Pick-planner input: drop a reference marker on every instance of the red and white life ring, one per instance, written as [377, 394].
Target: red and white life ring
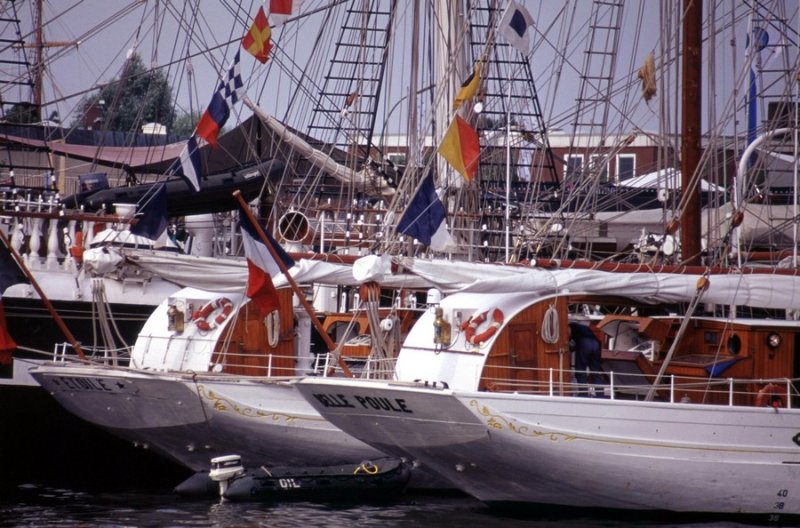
[200, 316]
[470, 326]
[770, 396]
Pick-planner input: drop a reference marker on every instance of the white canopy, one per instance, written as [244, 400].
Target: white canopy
[668, 178]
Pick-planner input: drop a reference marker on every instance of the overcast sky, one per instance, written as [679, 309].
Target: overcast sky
[100, 33]
[91, 39]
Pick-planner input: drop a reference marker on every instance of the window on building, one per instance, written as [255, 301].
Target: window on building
[626, 166]
[599, 165]
[399, 160]
[573, 167]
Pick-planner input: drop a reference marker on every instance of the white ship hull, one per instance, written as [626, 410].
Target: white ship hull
[515, 448]
[192, 420]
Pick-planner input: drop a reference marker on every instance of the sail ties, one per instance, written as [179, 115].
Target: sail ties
[647, 74]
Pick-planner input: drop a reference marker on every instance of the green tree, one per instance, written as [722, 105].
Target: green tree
[23, 113]
[138, 96]
[185, 123]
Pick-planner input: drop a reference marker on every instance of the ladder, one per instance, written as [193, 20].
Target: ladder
[595, 88]
[20, 103]
[771, 99]
[588, 157]
[507, 89]
[345, 113]
[770, 42]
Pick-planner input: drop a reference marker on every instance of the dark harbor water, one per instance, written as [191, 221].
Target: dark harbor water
[41, 506]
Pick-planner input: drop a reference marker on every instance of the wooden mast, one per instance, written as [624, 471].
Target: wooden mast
[39, 74]
[691, 95]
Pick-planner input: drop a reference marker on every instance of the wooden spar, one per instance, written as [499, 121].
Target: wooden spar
[690, 126]
[325, 337]
[629, 267]
[42, 296]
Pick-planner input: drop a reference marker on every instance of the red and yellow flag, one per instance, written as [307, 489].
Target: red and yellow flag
[461, 148]
[256, 42]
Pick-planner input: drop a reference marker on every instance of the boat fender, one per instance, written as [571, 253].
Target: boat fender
[200, 316]
[76, 250]
[470, 326]
[771, 395]
[272, 322]
[367, 467]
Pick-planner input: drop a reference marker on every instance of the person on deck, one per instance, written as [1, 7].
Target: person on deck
[583, 343]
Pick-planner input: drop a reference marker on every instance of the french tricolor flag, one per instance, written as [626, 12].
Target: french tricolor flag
[261, 266]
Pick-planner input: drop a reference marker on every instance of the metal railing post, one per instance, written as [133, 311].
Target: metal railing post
[611, 384]
[730, 392]
[672, 388]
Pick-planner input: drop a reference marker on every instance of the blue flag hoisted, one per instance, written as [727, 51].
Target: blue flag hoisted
[759, 39]
[152, 215]
[188, 163]
[424, 218]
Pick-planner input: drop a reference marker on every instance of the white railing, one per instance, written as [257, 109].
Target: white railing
[64, 353]
[155, 358]
[674, 389]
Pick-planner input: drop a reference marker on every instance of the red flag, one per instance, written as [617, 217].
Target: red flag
[281, 10]
[257, 40]
[280, 7]
[7, 344]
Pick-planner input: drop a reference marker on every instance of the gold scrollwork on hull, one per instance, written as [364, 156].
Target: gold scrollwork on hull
[225, 405]
[497, 421]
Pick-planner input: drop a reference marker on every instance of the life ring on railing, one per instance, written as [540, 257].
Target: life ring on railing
[770, 396]
[200, 316]
[470, 326]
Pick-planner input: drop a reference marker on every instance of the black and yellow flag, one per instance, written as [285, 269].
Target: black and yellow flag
[470, 87]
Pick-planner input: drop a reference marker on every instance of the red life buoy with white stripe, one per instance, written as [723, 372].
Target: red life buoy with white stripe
[200, 317]
[470, 326]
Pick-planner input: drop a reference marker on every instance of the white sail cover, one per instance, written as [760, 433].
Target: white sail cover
[761, 290]
[230, 275]
[742, 289]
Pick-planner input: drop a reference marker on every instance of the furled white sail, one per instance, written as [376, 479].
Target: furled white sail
[761, 290]
[319, 159]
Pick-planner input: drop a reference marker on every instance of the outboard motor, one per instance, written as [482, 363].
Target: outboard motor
[224, 469]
